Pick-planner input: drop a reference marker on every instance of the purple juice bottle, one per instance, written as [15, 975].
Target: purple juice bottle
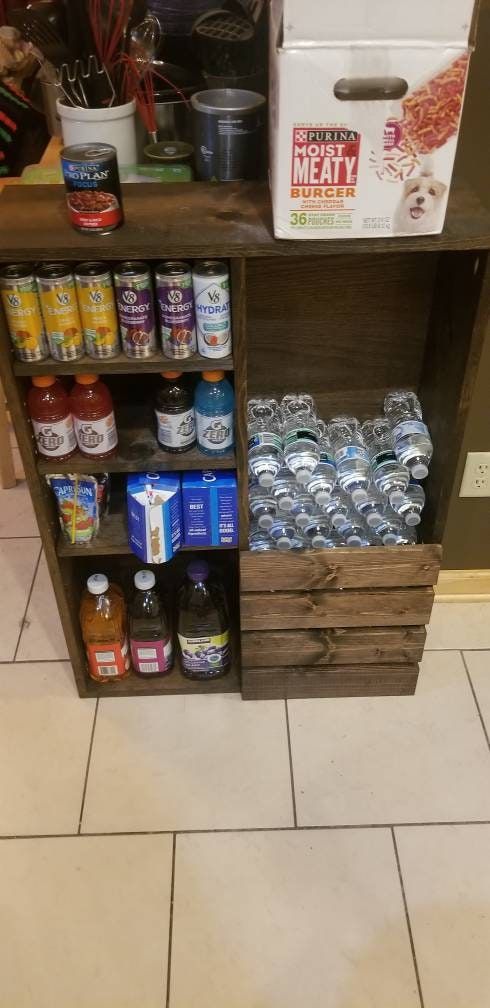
[203, 625]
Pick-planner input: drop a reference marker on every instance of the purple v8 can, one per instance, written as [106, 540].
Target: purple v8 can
[134, 298]
[176, 309]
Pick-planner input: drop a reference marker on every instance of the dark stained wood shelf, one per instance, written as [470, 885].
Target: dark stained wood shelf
[123, 365]
[169, 685]
[112, 540]
[129, 458]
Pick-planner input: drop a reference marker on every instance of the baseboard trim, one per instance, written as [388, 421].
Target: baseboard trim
[463, 586]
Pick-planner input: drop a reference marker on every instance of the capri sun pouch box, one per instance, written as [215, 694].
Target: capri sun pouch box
[366, 100]
[209, 501]
[154, 516]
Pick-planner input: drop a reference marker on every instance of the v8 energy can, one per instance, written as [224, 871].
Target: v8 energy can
[20, 300]
[213, 316]
[134, 297]
[60, 312]
[97, 306]
[176, 309]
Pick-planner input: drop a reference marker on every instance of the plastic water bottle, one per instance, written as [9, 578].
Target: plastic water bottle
[352, 531]
[283, 534]
[409, 505]
[317, 531]
[393, 531]
[371, 507]
[263, 507]
[413, 446]
[300, 435]
[324, 478]
[388, 473]
[337, 507]
[303, 507]
[351, 456]
[258, 540]
[264, 440]
[284, 489]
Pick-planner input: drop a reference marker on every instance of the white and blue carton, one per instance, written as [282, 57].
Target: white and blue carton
[154, 516]
[210, 508]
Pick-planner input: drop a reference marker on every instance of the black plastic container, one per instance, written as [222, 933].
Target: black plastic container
[228, 134]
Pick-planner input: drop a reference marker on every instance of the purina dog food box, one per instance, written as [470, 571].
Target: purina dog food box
[209, 503]
[154, 516]
[365, 105]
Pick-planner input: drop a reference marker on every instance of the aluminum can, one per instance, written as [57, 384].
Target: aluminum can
[135, 307]
[20, 299]
[98, 314]
[211, 284]
[175, 301]
[59, 305]
[93, 189]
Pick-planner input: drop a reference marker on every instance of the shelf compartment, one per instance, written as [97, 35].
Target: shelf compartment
[112, 540]
[122, 365]
[171, 685]
[138, 451]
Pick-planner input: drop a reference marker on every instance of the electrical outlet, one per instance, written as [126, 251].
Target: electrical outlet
[476, 476]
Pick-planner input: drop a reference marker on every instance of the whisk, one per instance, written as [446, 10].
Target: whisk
[109, 22]
[142, 89]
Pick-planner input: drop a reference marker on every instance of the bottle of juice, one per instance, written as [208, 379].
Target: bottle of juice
[174, 412]
[213, 403]
[103, 623]
[149, 635]
[93, 416]
[203, 627]
[49, 410]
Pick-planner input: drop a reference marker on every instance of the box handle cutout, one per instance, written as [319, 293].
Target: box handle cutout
[370, 88]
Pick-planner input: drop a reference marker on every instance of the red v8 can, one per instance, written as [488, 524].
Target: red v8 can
[93, 191]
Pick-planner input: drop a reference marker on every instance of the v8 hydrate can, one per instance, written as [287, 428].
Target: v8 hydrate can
[59, 306]
[213, 315]
[97, 306]
[134, 297]
[93, 190]
[20, 300]
[176, 309]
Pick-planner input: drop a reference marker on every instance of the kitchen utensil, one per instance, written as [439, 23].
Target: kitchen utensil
[145, 39]
[97, 84]
[224, 43]
[115, 126]
[70, 80]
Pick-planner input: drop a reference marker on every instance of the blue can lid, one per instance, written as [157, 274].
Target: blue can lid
[198, 571]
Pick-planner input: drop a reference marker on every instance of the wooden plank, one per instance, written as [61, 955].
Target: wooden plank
[377, 567]
[463, 586]
[7, 471]
[228, 219]
[139, 450]
[239, 310]
[374, 607]
[173, 684]
[345, 681]
[120, 365]
[333, 646]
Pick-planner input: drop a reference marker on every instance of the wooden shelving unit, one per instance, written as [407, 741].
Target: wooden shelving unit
[345, 320]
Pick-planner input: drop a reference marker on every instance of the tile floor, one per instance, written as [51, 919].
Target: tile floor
[205, 852]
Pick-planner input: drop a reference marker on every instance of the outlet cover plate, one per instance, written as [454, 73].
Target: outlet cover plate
[476, 476]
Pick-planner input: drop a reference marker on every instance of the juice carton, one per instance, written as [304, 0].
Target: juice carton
[209, 502]
[154, 516]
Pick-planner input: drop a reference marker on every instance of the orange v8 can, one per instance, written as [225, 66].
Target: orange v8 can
[59, 306]
[21, 305]
[97, 305]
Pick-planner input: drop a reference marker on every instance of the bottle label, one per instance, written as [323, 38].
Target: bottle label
[352, 453]
[410, 427]
[215, 433]
[326, 459]
[177, 318]
[265, 439]
[150, 657]
[108, 661]
[202, 653]
[212, 299]
[96, 437]
[176, 430]
[382, 457]
[55, 439]
[300, 434]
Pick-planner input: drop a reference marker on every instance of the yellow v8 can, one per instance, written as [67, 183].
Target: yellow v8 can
[60, 311]
[23, 312]
[98, 313]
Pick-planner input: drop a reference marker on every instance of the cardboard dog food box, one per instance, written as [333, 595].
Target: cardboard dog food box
[366, 101]
[154, 516]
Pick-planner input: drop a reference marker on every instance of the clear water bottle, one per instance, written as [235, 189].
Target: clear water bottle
[264, 440]
[352, 531]
[284, 489]
[324, 478]
[337, 507]
[317, 531]
[392, 530]
[409, 505]
[413, 446]
[371, 507]
[351, 456]
[283, 534]
[303, 507]
[263, 506]
[258, 540]
[389, 475]
[300, 435]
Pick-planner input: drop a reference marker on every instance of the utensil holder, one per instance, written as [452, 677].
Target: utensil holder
[116, 126]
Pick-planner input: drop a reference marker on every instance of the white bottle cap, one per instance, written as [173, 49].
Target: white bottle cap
[354, 540]
[144, 580]
[358, 495]
[419, 471]
[373, 519]
[265, 522]
[303, 475]
[389, 539]
[322, 497]
[286, 503]
[338, 520]
[413, 518]
[318, 541]
[266, 479]
[98, 584]
[395, 497]
[302, 520]
[283, 543]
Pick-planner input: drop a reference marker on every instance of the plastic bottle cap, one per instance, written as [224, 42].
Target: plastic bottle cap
[373, 519]
[43, 381]
[359, 495]
[266, 479]
[286, 503]
[213, 376]
[318, 541]
[395, 497]
[98, 584]
[86, 379]
[413, 519]
[354, 540]
[198, 571]
[419, 471]
[302, 520]
[265, 522]
[389, 539]
[303, 475]
[338, 520]
[144, 580]
[283, 543]
[171, 374]
[322, 497]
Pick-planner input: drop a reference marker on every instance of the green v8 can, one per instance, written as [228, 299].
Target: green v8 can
[97, 310]
[211, 284]
[20, 299]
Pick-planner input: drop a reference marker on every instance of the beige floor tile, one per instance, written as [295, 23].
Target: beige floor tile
[84, 922]
[478, 664]
[17, 564]
[42, 637]
[282, 919]
[17, 516]
[393, 759]
[459, 625]
[447, 884]
[199, 762]
[44, 743]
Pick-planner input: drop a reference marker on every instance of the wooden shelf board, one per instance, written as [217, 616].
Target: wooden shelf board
[170, 685]
[112, 540]
[151, 458]
[122, 365]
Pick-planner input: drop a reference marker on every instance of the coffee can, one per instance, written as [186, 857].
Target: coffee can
[20, 299]
[175, 301]
[59, 306]
[211, 284]
[93, 189]
[97, 306]
[135, 307]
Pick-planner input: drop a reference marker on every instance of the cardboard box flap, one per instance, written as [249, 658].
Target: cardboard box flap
[419, 22]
